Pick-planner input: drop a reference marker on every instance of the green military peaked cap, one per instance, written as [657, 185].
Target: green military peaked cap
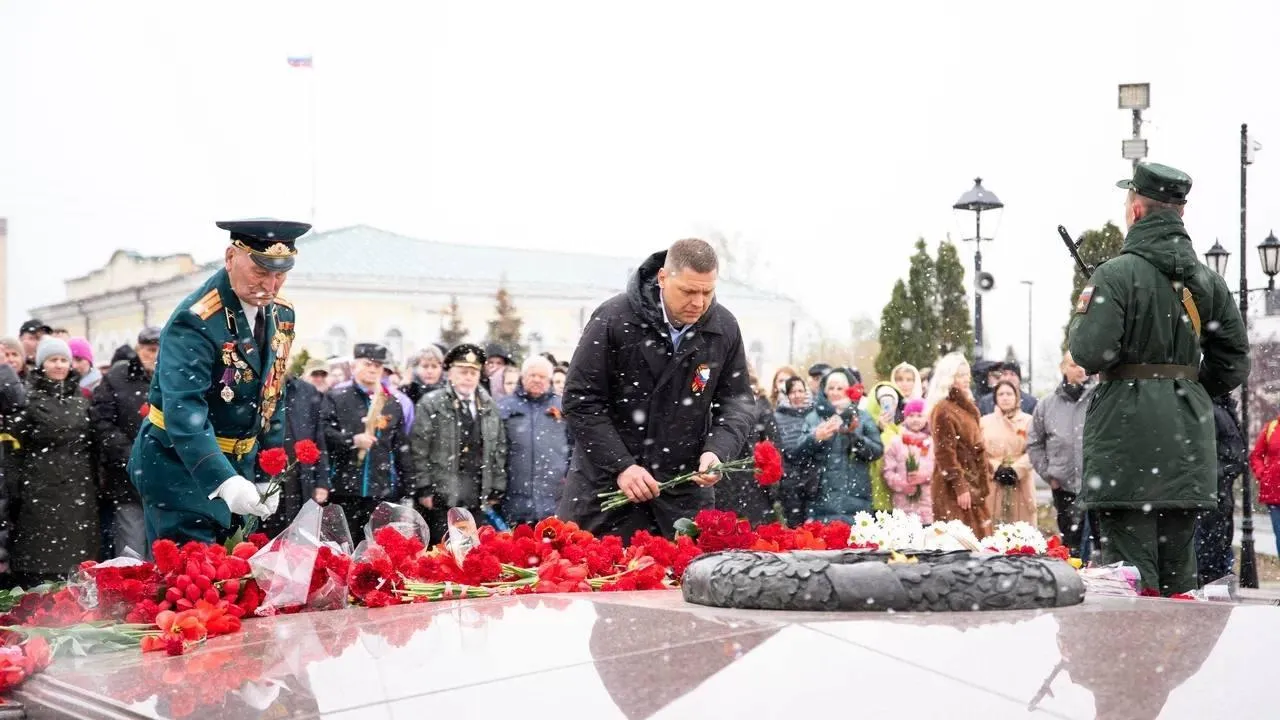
[1159, 182]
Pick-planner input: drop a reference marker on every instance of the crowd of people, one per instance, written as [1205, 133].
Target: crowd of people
[470, 427]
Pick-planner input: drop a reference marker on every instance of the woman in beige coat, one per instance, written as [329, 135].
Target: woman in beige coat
[1012, 496]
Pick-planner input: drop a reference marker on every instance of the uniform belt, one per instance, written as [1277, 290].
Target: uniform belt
[231, 446]
[1151, 372]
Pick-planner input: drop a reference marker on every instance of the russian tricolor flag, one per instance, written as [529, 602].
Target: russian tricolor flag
[300, 62]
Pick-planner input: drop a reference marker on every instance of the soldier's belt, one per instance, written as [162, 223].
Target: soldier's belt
[1151, 372]
[231, 446]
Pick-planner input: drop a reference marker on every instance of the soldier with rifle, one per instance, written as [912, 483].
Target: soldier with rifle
[1163, 334]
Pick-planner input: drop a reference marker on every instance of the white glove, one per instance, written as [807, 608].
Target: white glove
[272, 502]
[241, 496]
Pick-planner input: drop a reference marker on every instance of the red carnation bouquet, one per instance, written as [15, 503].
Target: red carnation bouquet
[274, 463]
[765, 461]
[307, 566]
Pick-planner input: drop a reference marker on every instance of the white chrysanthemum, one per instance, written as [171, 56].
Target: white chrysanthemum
[888, 531]
[1010, 536]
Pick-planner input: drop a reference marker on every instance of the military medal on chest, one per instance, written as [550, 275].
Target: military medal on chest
[236, 371]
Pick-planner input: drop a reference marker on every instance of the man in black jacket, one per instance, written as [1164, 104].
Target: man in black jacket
[657, 388]
[119, 404]
[383, 471]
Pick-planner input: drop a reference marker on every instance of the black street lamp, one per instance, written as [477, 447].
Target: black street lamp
[1269, 255]
[977, 200]
[1216, 258]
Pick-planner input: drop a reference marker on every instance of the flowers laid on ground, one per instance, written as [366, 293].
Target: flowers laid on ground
[902, 531]
[193, 592]
[765, 473]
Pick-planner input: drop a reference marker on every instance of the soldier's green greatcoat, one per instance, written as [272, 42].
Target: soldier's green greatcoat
[216, 400]
[1149, 444]
[1150, 465]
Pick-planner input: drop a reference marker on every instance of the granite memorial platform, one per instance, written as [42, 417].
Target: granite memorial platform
[652, 655]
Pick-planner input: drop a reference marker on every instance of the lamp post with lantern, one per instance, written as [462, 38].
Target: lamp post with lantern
[1216, 258]
[978, 200]
[1135, 97]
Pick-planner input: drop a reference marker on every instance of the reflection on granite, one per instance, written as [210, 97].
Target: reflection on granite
[650, 655]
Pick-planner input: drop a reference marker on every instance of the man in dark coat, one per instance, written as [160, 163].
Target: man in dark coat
[302, 407]
[383, 471]
[657, 388]
[119, 404]
[1216, 528]
[1165, 335]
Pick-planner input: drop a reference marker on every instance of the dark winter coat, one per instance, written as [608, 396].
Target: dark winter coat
[842, 461]
[960, 464]
[386, 471]
[632, 398]
[435, 447]
[53, 495]
[415, 390]
[1148, 443]
[799, 484]
[739, 492]
[13, 398]
[1231, 450]
[537, 455]
[117, 411]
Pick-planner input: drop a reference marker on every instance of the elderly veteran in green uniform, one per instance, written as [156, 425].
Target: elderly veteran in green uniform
[216, 396]
[1163, 333]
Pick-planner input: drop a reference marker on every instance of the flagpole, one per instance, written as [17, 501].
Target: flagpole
[311, 119]
[307, 62]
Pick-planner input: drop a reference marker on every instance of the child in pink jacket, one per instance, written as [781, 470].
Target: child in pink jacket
[914, 449]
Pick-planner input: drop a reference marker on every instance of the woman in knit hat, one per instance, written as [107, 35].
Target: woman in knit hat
[54, 503]
[82, 361]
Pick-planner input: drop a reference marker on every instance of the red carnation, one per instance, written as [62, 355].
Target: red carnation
[855, 393]
[144, 410]
[768, 463]
[273, 461]
[306, 452]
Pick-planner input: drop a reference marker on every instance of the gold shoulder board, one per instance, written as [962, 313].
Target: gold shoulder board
[209, 304]
[283, 302]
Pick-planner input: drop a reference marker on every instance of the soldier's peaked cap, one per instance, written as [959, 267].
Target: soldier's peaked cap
[465, 355]
[269, 242]
[1159, 182]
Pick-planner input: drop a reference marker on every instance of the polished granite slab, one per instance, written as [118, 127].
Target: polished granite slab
[651, 655]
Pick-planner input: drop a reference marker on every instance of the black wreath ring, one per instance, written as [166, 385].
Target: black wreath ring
[880, 581]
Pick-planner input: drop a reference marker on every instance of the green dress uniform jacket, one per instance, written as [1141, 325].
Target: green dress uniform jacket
[216, 399]
[1149, 440]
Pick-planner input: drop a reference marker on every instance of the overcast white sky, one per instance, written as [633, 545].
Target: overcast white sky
[830, 134]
